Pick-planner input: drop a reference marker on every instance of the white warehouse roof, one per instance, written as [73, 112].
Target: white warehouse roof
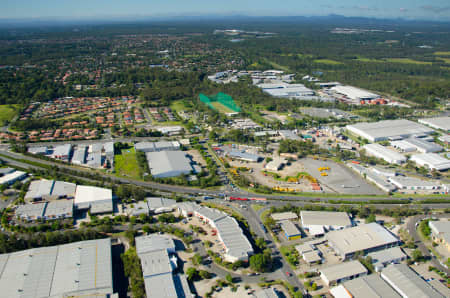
[432, 161]
[165, 164]
[354, 93]
[86, 195]
[324, 218]
[383, 130]
[369, 286]
[438, 122]
[382, 152]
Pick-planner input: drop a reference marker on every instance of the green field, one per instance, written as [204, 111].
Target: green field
[446, 60]
[126, 165]
[8, 112]
[221, 108]
[328, 61]
[407, 61]
[447, 53]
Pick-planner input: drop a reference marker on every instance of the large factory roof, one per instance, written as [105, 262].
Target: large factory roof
[407, 282]
[360, 238]
[168, 163]
[383, 130]
[157, 146]
[324, 218]
[438, 122]
[354, 93]
[343, 270]
[66, 270]
[369, 286]
[153, 242]
[50, 188]
[432, 161]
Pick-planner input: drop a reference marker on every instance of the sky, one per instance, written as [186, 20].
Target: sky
[438, 10]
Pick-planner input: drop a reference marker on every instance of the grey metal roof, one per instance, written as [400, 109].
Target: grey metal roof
[407, 282]
[39, 189]
[109, 148]
[343, 270]
[96, 147]
[168, 163]
[31, 211]
[360, 238]
[156, 202]
[155, 262]
[244, 155]
[64, 189]
[4, 171]
[79, 155]
[80, 267]
[94, 159]
[387, 255]
[60, 208]
[153, 242]
[139, 208]
[370, 286]
[160, 286]
[62, 150]
[289, 228]
[266, 293]
[437, 122]
[157, 146]
[424, 145]
[324, 218]
[382, 130]
[284, 215]
[38, 150]
[102, 207]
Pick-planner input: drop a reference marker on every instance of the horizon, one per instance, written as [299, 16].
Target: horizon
[114, 10]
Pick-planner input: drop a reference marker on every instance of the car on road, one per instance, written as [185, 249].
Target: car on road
[288, 274]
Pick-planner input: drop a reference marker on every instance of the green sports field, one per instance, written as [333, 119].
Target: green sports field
[8, 112]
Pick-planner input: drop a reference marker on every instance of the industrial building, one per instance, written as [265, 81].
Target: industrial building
[440, 232]
[49, 190]
[97, 199]
[42, 150]
[157, 146]
[442, 123]
[432, 161]
[368, 286]
[236, 245]
[284, 90]
[276, 164]
[46, 210]
[289, 135]
[415, 144]
[384, 153]
[354, 94]
[97, 155]
[407, 282]
[62, 152]
[410, 183]
[289, 215]
[152, 206]
[244, 156]
[266, 293]
[70, 270]
[158, 264]
[365, 238]
[384, 257]
[291, 231]
[318, 222]
[164, 164]
[12, 177]
[341, 272]
[389, 130]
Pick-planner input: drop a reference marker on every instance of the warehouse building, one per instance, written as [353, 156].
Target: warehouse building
[289, 135]
[152, 206]
[47, 210]
[244, 156]
[276, 164]
[12, 177]
[291, 231]
[157, 146]
[70, 270]
[97, 199]
[432, 161]
[442, 123]
[62, 152]
[365, 238]
[284, 90]
[384, 257]
[158, 262]
[410, 183]
[284, 216]
[440, 232]
[415, 144]
[384, 153]
[369, 286]
[79, 155]
[354, 94]
[389, 130]
[38, 150]
[164, 164]
[267, 293]
[319, 222]
[236, 245]
[49, 190]
[341, 272]
[407, 282]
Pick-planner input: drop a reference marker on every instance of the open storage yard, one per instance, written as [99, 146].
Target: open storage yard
[340, 179]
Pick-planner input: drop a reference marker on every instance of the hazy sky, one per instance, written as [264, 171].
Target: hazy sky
[411, 9]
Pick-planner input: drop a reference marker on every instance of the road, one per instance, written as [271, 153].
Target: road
[411, 227]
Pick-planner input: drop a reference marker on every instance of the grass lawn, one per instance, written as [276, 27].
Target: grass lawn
[221, 108]
[126, 165]
[277, 66]
[257, 207]
[177, 106]
[8, 112]
[327, 61]
[407, 61]
[447, 53]
[446, 60]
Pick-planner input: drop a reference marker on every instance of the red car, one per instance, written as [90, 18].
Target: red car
[288, 273]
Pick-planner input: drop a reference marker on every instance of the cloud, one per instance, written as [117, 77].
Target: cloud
[402, 9]
[435, 9]
[365, 8]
